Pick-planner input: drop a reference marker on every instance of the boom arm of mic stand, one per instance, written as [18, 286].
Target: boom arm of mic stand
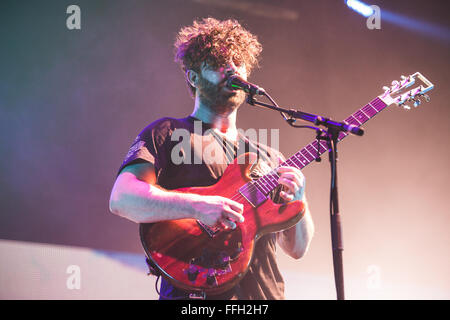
[316, 119]
[292, 113]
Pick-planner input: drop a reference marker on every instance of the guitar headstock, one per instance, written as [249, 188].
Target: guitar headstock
[399, 92]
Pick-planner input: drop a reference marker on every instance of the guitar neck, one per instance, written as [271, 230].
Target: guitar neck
[313, 150]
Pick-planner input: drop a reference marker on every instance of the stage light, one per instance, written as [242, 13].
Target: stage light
[360, 7]
[426, 28]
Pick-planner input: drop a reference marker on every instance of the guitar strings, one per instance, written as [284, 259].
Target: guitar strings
[249, 186]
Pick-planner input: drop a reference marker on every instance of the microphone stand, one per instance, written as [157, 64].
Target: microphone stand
[332, 136]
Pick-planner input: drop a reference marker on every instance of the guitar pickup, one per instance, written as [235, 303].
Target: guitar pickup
[252, 193]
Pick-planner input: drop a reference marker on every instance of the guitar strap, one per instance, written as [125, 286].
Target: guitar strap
[229, 148]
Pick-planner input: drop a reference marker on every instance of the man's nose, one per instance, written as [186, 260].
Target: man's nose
[230, 69]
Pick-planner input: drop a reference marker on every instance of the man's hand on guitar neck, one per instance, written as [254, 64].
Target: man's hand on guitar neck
[294, 182]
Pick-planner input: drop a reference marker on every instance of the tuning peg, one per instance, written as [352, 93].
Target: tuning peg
[417, 103]
[387, 91]
[406, 107]
[395, 86]
[426, 97]
[403, 77]
[404, 81]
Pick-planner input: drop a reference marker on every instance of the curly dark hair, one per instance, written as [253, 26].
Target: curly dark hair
[216, 42]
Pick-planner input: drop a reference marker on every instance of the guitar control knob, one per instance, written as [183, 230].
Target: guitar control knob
[192, 273]
[223, 261]
[237, 251]
[211, 278]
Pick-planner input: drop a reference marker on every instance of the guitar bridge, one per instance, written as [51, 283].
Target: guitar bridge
[211, 231]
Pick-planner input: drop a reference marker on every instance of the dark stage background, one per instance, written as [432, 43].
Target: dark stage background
[72, 101]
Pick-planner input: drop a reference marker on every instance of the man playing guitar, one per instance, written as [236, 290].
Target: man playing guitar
[209, 52]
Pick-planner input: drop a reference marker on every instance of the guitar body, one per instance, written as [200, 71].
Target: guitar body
[194, 260]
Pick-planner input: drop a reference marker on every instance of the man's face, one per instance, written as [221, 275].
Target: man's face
[213, 91]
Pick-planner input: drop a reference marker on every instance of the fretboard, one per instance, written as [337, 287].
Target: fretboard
[308, 154]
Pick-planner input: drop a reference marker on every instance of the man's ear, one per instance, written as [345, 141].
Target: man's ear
[192, 77]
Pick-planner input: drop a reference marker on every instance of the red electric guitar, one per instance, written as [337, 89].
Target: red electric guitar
[198, 258]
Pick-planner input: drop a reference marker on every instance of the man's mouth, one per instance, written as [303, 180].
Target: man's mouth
[228, 89]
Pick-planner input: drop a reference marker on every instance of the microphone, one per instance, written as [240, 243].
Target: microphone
[236, 82]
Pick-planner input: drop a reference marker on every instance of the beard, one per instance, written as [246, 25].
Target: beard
[216, 98]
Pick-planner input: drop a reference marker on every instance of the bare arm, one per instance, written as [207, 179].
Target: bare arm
[135, 196]
[295, 241]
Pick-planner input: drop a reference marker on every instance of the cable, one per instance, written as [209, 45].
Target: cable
[163, 296]
[288, 119]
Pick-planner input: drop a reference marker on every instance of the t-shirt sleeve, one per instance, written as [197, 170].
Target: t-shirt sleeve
[149, 146]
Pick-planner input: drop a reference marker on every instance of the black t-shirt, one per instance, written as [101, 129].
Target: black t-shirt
[186, 153]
